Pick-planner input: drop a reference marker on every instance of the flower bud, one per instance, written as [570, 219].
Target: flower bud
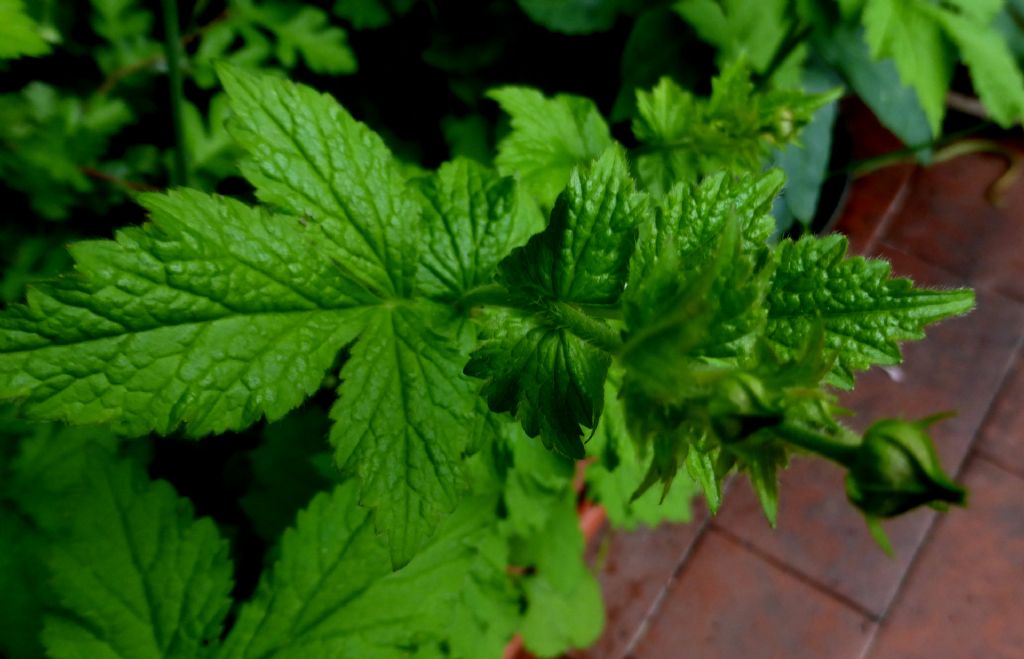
[895, 469]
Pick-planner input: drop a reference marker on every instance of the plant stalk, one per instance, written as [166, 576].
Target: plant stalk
[815, 442]
[172, 47]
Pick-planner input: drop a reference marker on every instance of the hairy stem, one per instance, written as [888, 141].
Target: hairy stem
[583, 320]
[816, 442]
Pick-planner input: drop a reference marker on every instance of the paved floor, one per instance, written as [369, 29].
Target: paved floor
[817, 587]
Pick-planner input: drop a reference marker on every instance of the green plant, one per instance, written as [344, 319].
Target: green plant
[403, 364]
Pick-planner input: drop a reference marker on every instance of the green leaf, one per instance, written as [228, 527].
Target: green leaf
[548, 378]
[549, 137]
[878, 83]
[332, 594]
[806, 162]
[572, 16]
[865, 313]
[19, 34]
[212, 315]
[563, 599]
[310, 157]
[620, 469]
[907, 31]
[698, 279]
[685, 137]
[24, 592]
[50, 139]
[739, 29]
[547, 366]
[583, 255]
[473, 221]
[404, 419]
[308, 33]
[994, 71]
[138, 577]
[212, 151]
[126, 26]
[369, 14]
[290, 466]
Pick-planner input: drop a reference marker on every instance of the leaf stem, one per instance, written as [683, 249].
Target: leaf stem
[590, 329]
[172, 46]
[583, 320]
[816, 442]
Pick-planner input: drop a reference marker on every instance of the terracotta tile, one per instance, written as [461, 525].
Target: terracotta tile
[821, 536]
[948, 220]
[873, 199]
[636, 567]
[1002, 436]
[965, 595]
[958, 367]
[729, 603]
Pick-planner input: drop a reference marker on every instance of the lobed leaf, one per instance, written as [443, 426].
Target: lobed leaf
[138, 577]
[210, 316]
[864, 312]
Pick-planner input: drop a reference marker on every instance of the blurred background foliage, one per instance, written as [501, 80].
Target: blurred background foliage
[87, 117]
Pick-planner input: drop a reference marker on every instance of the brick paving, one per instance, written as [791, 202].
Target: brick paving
[817, 586]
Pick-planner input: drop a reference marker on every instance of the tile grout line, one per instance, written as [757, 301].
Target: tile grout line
[894, 208]
[797, 574]
[993, 461]
[659, 599]
[1017, 353]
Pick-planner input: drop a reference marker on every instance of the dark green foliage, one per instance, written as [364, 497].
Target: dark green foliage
[379, 349]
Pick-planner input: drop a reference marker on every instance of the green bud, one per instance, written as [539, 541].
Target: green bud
[895, 469]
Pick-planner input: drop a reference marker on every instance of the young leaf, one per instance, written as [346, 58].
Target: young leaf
[212, 315]
[550, 136]
[310, 157]
[549, 378]
[583, 255]
[865, 313]
[473, 221]
[685, 137]
[404, 418]
[139, 577]
[548, 367]
[616, 476]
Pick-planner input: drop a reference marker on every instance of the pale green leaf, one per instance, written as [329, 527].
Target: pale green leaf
[549, 137]
[739, 29]
[563, 599]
